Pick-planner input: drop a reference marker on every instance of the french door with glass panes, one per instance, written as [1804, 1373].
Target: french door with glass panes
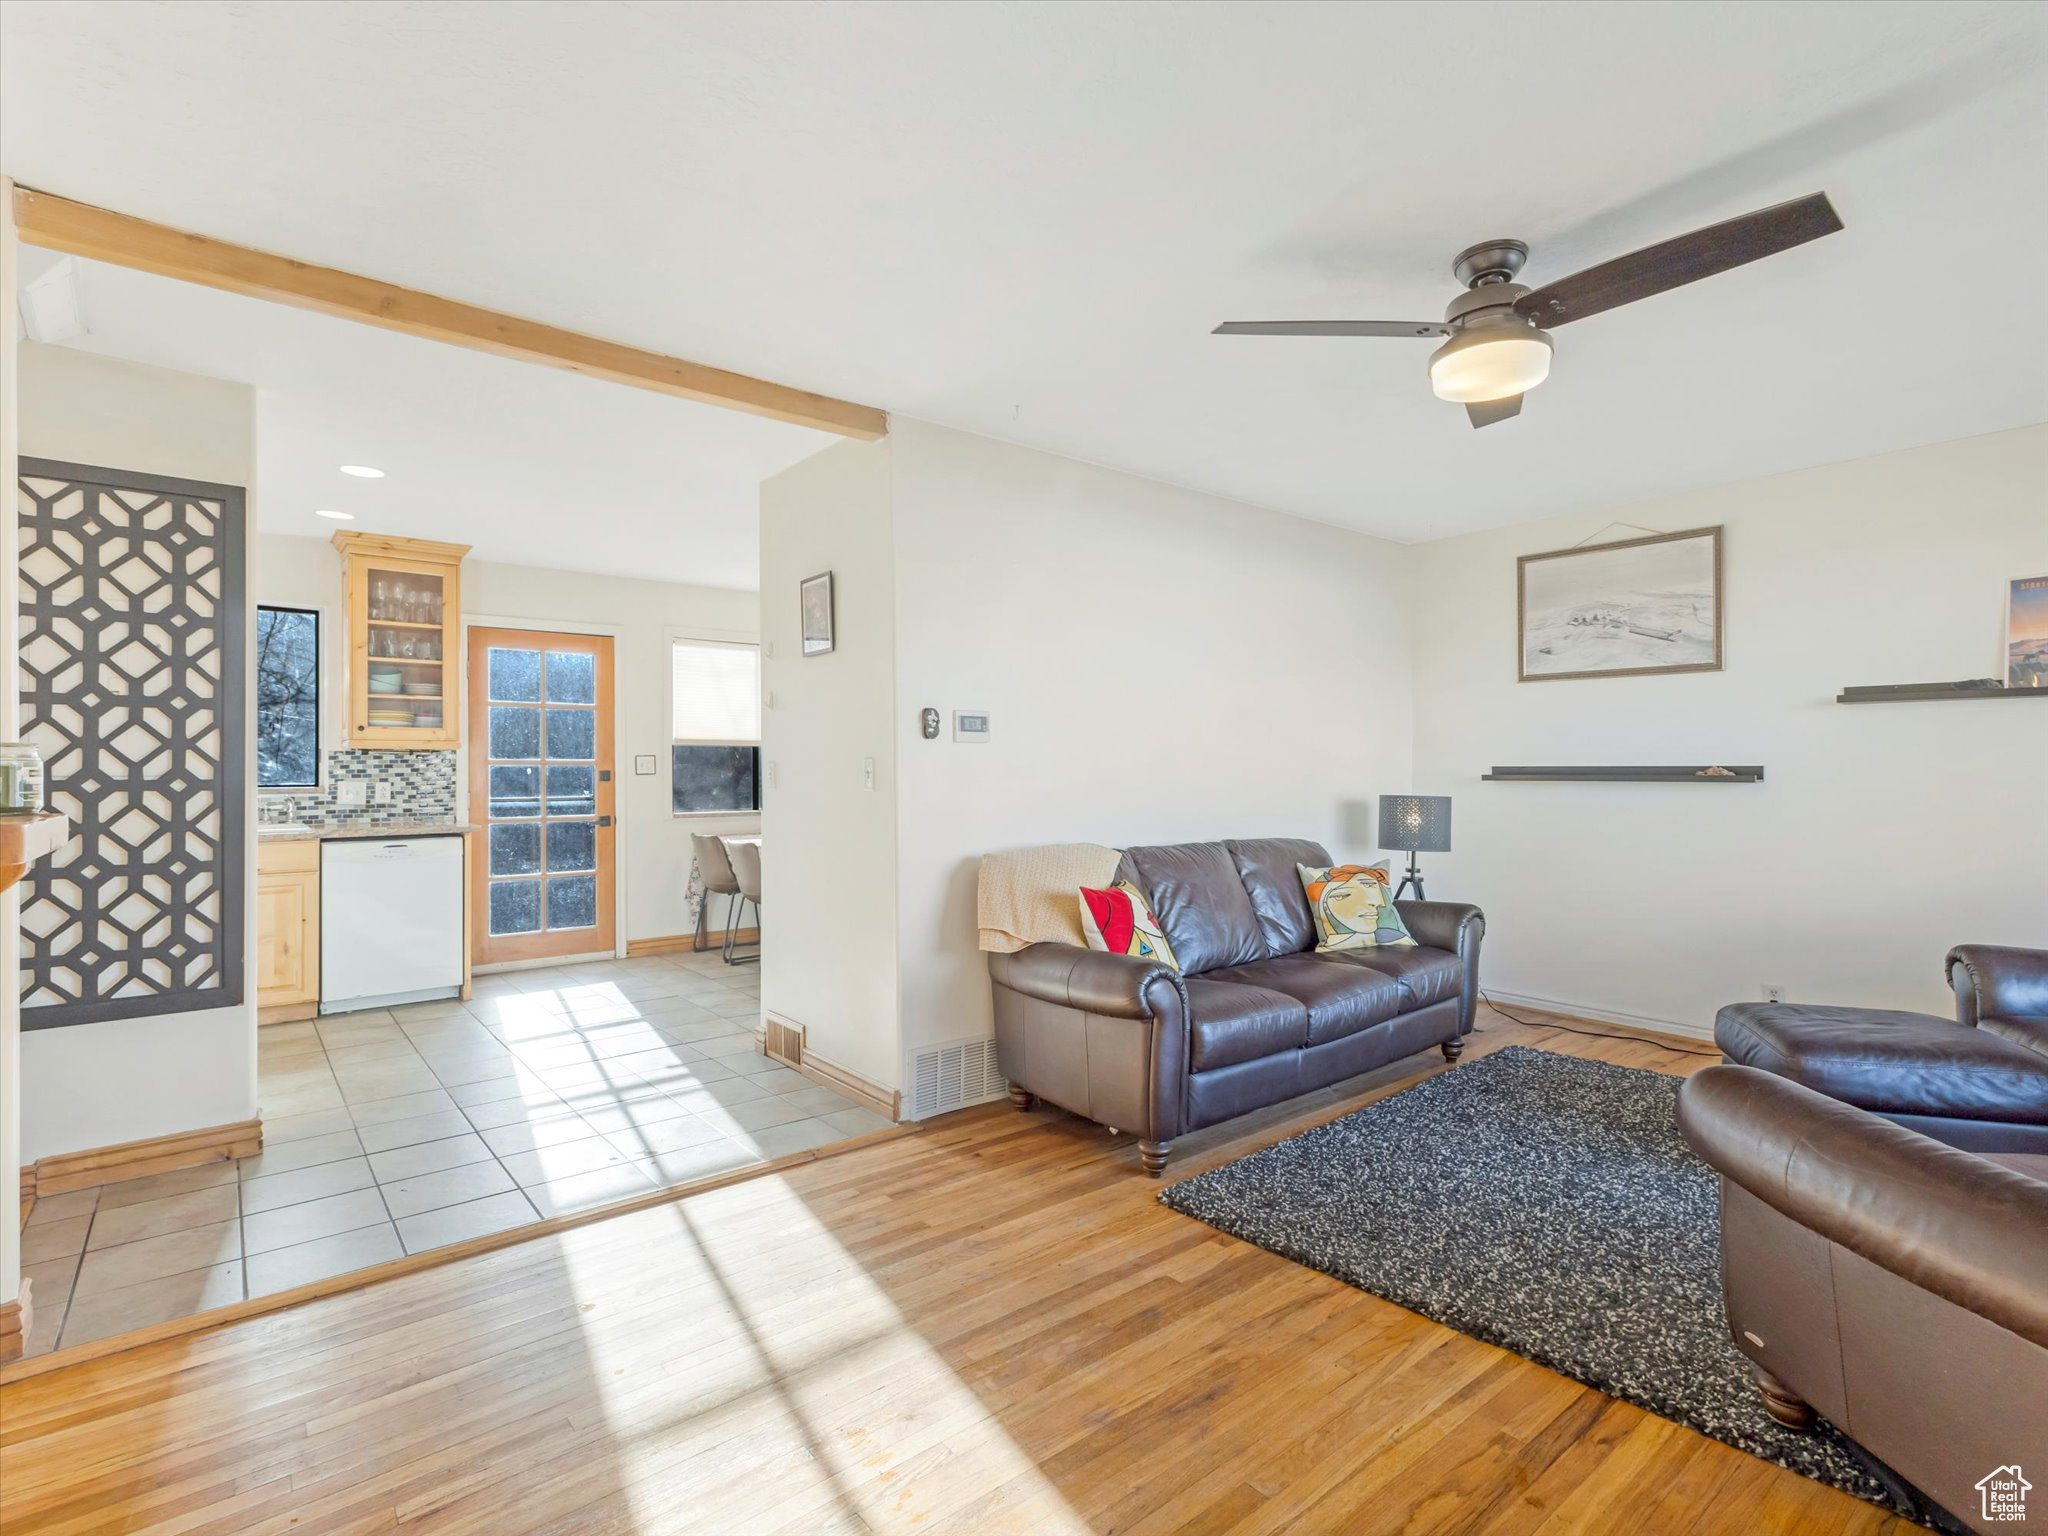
[540, 782]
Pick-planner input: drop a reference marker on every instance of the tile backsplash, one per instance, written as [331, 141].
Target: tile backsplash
[422, 789]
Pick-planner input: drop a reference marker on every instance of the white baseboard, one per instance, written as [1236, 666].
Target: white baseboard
[1601, 1015]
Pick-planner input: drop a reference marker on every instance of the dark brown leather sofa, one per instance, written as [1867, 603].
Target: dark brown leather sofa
[1897, 1285]
[1253, 1016]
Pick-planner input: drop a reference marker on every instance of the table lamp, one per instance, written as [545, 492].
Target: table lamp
[1416, 824]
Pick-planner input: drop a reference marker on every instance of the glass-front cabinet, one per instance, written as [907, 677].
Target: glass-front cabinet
[404, 606]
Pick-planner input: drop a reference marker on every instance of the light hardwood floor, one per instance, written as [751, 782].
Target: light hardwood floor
[988, 1326]
[389, 1133]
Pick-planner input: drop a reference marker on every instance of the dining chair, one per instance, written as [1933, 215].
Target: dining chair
[715, 877]
[746, 868]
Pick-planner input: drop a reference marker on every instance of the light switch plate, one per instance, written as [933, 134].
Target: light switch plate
[970, 725]
[867, 773]
[771, 773]
[643, 764]
[352, 793]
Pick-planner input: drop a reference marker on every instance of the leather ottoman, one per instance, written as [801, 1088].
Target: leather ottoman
[1968, 1087]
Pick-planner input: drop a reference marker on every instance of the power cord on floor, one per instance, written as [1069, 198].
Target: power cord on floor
[1597, 1034]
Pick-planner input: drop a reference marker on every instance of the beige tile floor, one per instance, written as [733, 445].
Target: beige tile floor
[389, 1132]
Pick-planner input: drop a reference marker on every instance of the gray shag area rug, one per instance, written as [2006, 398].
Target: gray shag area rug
[1543, 1203]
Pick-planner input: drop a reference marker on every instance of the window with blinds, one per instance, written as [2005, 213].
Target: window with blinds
[715, 712]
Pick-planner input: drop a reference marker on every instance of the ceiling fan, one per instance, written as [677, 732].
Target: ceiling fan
[1499, 347]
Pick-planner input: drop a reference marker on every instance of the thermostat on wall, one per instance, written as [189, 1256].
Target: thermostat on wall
[970, 725]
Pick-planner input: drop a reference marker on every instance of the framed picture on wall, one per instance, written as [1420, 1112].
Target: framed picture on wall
[2026, 633]
[814, 599]
[1625, 609]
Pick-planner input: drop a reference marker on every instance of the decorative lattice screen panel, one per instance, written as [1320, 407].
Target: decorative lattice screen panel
[132, 683]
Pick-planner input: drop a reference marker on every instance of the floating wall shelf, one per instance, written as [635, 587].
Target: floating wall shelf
[24, 839]
[1703, 773]
[1915, 692]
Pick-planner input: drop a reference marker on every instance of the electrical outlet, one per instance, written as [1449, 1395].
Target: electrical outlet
[383, 795]
[1773, 993]
[771, 773]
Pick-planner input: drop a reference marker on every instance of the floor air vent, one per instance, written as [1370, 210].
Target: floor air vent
[954, 1076]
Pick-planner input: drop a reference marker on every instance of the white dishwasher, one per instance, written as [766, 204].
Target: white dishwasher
[390, 921]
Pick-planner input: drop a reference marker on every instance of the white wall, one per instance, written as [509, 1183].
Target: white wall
[92, 1085]
[10, 721]
[1159, 666]
[828, 843]
[653, 843]
[1882, 833]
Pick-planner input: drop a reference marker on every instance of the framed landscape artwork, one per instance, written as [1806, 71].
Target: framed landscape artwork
[1625, 609]
[2026, 633]
[814, 599]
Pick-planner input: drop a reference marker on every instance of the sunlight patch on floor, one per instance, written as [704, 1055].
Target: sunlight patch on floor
[802, 1402]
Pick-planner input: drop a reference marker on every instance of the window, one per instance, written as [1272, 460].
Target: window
[717, 728]
[716, 713]
[287, 698]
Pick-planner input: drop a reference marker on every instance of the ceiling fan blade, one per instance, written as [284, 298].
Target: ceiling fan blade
[1331, 328]
[1485, 413]
[1674, 263]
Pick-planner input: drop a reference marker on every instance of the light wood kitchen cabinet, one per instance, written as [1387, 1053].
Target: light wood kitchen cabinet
[403, 605]
[287, 929]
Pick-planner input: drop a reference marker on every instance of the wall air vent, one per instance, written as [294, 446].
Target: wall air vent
[952, 1076]
[783, 1041]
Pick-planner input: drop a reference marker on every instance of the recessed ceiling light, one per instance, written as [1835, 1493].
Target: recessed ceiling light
[362, 471]
[339, 517]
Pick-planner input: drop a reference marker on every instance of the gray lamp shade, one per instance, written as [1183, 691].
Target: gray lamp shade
[1416, 823]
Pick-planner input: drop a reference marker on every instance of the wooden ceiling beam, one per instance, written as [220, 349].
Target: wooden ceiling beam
[58, 224]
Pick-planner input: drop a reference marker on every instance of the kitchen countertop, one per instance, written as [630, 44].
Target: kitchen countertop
[294, 833]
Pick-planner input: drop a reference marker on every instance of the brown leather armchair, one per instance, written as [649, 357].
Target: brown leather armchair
[1896, 1285]
[1254, 1016]
[1978, 1081]
[2002, 990]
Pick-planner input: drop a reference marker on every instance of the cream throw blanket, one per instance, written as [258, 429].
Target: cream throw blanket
[1033, 895]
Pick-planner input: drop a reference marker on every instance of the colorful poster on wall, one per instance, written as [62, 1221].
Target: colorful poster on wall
[2026, 633]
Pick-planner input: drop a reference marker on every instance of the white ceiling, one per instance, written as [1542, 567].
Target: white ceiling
[1023, 218]
[530, 465]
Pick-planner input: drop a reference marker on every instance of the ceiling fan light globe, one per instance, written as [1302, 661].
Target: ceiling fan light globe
[1475, 366]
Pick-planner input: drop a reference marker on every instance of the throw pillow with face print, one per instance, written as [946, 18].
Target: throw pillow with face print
[1354, 908]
